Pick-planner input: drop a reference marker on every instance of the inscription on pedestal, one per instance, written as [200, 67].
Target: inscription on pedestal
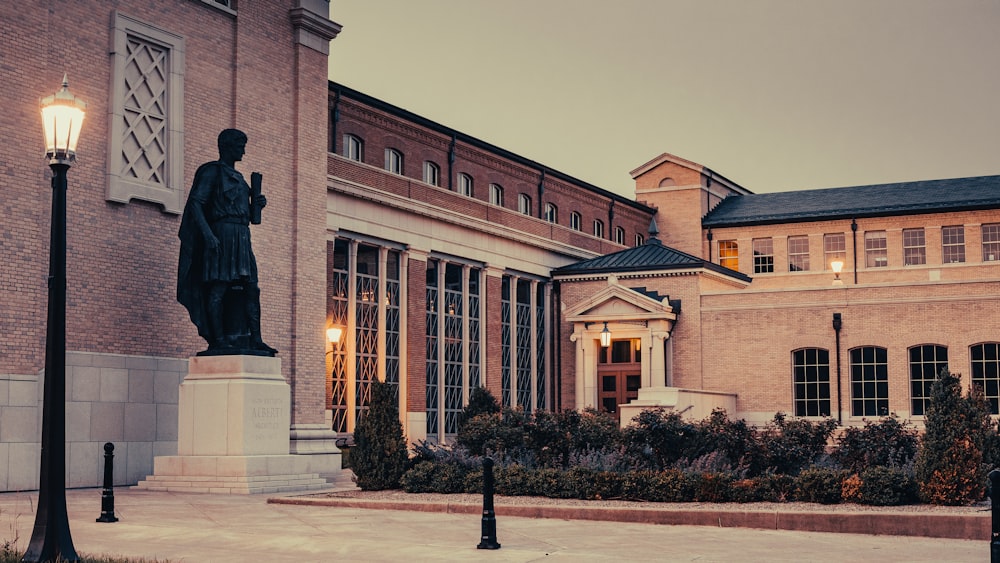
[267, 415]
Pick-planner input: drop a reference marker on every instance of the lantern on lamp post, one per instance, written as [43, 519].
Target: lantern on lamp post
[605, 336]
[62, 117]
[837, 266]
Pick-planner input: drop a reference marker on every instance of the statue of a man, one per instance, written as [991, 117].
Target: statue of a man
[217, 271]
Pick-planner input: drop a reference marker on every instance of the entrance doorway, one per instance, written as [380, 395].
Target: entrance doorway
[619, 375]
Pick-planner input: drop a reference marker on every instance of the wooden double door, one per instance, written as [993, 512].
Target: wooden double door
[617, 386]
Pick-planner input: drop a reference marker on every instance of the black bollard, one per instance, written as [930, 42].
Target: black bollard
[108, 493]
[489, 540]
[995, 501]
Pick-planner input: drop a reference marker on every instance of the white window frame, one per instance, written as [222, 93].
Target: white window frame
[575, 221]
[524, 204]
[598, 228]
[551, 213]
[432, 173]
[496, 194]
[465, 184]
[354, 147]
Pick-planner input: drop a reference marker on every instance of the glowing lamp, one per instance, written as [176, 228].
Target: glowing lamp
[605, 337]
[333, 334]
[62, 118]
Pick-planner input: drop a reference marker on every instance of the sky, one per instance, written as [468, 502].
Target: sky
[775, 95]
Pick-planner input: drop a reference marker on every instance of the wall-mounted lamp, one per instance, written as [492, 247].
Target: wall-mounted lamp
[605, 336]
[837, 266]
[333, 334]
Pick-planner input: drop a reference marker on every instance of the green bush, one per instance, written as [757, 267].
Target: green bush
[820, 485]
[379, 457]
[431, 477]
[886, 486]
[481, 401]
[793, 445]
[734, 440]
[949, 466]
[888, 443]
[658, 438]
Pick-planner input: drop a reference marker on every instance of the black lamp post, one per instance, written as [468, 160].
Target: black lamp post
[62, 116]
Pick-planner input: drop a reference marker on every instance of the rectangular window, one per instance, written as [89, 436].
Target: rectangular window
[991, 242]
[763, 256]
[811, 380]
[834, 249]
[729, 254]
[953, 244]
[876, 250]
[798, 254]
[146, 152]
[914, 248]
[926, 362]
[869, 381]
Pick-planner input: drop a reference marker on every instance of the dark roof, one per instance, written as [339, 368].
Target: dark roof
[904, 198]
[340, 89]
[652, 255]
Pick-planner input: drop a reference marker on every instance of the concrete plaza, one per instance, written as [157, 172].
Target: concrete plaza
[176, 527]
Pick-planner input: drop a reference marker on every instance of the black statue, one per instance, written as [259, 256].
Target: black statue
[217, 271]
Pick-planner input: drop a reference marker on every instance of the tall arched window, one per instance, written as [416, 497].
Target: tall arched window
[432, 173]
[551, 213]
[598, 228]
[575, 221]
[620, 235]
[496, 194]
[394, 161]
[986, 371]
[869, 381]
[926, 362]
[465, 184]
[811, 381]
[524, 204]
[354, 147]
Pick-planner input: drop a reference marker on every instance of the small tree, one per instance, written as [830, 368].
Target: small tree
[885, 443]
[949, 466]
[379, 455]
[481, 401]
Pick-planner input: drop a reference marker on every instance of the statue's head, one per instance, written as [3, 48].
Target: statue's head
[232, 142]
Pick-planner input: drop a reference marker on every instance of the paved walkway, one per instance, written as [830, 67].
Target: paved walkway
[183, 527]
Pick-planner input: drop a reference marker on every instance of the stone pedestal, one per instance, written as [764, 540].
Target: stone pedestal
[234, 414]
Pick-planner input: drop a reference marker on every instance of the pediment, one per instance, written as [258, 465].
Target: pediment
[616, 302]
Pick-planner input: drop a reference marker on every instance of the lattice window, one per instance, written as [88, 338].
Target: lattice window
[453, 357]
[953, 244]
[145, 145]
[763, 256]
[914, 247]
[524, 345]
[540, 372]
[798, 254]
[475, 380]
[834, 249]
[366, 341]
[991, 242]
[392, 322]
[505, 344]
[337, 313]
[431, 369]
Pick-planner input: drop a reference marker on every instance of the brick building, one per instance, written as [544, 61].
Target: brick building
[441, 262]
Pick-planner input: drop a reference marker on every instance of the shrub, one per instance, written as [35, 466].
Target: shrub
[379, 456]
[481, 401]
[774, 487]
[734, 440]
[850, 490]
[886, 486]
[792, 445]
[949, 466]
[658, 438]
[820, 485]
[888, 443]
[501, 433]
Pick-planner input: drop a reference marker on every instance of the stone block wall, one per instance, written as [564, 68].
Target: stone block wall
[130, 401]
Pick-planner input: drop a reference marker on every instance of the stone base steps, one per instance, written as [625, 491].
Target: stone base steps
[234, 485]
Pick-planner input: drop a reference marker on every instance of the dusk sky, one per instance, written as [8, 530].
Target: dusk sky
[775, 95]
